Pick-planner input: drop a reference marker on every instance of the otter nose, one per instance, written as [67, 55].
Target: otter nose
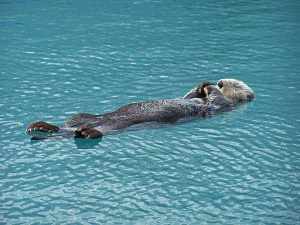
[220, 84]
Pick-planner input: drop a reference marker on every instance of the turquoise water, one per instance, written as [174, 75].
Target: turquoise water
[63, 57]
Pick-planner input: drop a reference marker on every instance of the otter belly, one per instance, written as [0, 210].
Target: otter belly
[166, 111]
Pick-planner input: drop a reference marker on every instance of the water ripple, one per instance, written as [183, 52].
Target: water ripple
[240, 167]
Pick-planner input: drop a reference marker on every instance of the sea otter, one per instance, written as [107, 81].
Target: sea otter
[205, 100]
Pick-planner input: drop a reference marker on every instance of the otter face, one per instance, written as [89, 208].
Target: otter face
[235, 90]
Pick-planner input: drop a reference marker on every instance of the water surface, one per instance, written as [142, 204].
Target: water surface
[60, 58]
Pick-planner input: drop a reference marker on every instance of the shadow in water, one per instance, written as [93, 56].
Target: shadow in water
[86, 143]
[79, 142]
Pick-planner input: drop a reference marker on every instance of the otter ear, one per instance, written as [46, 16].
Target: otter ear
[220, 84]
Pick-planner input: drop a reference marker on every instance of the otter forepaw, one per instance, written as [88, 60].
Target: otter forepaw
[41, 127]
[88, 133]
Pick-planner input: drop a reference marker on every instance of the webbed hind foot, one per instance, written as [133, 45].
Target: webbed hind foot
[88, 133]
[41, 127]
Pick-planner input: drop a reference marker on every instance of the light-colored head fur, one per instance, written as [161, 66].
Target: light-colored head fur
[235, 90]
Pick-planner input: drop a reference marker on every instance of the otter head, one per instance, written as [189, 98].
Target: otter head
[235, 90]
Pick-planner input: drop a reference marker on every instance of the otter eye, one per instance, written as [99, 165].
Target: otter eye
[220, 84]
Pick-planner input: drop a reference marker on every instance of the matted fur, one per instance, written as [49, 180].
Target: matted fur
[236, 91]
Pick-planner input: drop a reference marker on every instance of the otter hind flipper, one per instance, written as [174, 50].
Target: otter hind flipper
[42, 130]
[81, 119]
[88, 133]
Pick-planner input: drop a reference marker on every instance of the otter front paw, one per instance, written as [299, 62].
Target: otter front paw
[88, 133]
[41, 127]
